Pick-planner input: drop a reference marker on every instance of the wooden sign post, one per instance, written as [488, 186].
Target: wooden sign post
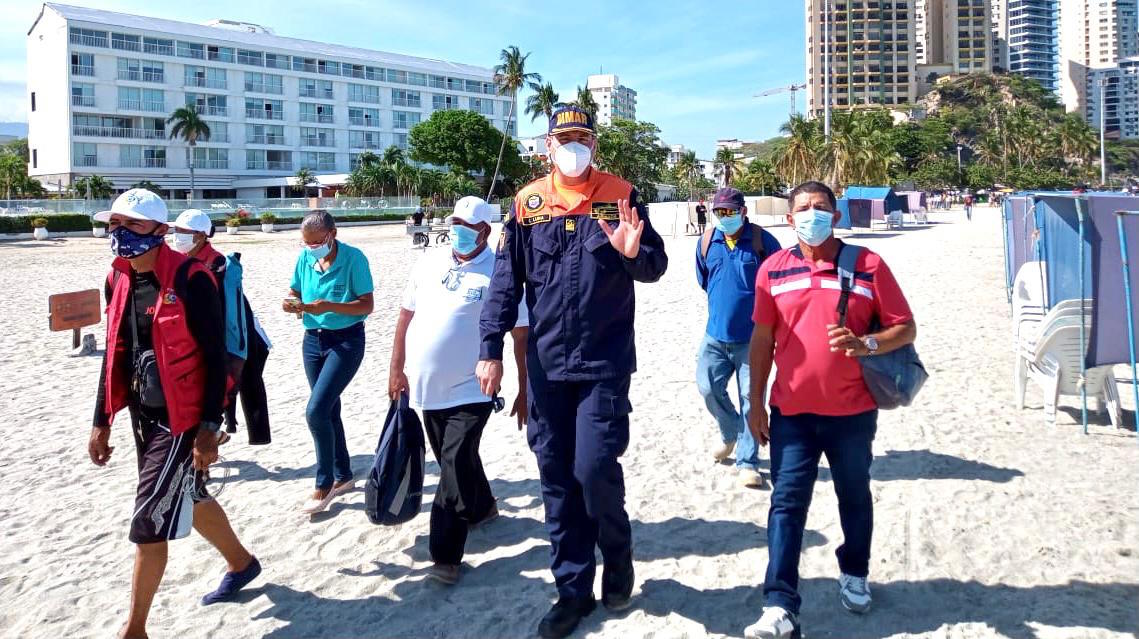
[73, 311]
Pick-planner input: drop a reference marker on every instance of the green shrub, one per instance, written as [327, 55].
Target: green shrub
[59, 223]
[268, 218]
[39, 223]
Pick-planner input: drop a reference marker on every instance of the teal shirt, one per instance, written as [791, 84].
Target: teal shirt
[346, 280]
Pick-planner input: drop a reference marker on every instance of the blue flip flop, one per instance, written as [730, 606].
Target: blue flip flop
[232, 583]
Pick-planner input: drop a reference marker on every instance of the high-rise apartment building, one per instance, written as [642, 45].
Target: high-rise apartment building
[1120, 90]
[954, 36]
[1027, 35]
[101, 86]
[614, 101]
[1094, 34]
[872, 53]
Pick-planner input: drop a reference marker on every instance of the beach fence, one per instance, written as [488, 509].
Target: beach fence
[219, 209]
[1073, 244]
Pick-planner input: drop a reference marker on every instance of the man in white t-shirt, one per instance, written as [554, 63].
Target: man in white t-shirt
[437, 341]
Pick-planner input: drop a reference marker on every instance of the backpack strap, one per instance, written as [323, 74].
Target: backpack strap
[847, 259]
[757, 242]
[706, 240]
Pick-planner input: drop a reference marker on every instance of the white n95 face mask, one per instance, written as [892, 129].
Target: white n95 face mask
[572, 158]
[183, 242]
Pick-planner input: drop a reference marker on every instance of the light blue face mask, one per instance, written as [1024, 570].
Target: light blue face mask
[464, 240]
[729, 225]
[320, 252]
[813, 226]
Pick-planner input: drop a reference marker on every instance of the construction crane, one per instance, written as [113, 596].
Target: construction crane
[793, 89]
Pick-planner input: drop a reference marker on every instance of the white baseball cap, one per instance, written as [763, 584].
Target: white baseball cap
[139, 204]
[472, 210]
[195, 220]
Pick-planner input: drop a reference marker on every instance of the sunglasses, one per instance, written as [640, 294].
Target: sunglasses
[725, 212]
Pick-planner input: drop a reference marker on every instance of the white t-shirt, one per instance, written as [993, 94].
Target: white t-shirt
[443, 339]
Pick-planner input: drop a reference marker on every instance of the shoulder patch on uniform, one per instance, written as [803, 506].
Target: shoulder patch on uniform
[604, 211]
[534, 203]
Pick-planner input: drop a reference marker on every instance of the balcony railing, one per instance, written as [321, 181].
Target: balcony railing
[219, 111]
[267, 138]
[270, 165]
[318, 166]
[82, 69]
[411, 103]
[158, 49]
[322, 118]
[89, 40]
[125, 45]
[317, 140]
[143, 163]
[366, 143]
[367, 122]
[364, 97]
[310, 68]
[138, 133]
[209, 83]
[130, 105]
[83, 100]
[87, 160]
[274, 89]
[217, 135]
[211, 164]
[262, 114]
[154, 107]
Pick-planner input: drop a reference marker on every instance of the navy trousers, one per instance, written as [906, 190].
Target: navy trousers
[577, 431]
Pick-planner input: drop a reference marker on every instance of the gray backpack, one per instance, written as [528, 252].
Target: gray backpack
[893, 378]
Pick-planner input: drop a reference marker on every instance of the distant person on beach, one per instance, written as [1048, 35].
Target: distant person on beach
[247, 347]
[332, 290]
[969, 206]
[164, 364]
[437, 343]
[417, 217]
[728, 256]
[577, 241]
[819, 403]
[701, 216]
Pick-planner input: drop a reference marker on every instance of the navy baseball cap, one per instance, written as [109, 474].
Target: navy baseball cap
[728, 198]
[570, 118]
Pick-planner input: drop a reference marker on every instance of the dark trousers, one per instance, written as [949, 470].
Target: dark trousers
[577, 431]
[797, 443]
[331, 360]
[463, 495]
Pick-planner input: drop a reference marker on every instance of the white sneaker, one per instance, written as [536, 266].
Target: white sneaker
[724, 452]
[751, 479]
[854, 592]
[776, 623]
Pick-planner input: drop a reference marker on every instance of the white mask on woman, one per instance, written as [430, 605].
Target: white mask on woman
[183, 242]
[572, 158]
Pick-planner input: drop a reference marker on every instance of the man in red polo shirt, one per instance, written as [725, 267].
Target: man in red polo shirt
[819, 402]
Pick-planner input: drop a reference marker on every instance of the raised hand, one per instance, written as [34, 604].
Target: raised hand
[626, 238]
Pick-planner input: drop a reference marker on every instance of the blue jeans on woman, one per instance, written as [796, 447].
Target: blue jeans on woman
[331, 359]
[715, 365]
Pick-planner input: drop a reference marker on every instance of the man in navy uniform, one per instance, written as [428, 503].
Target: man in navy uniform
[576, 241]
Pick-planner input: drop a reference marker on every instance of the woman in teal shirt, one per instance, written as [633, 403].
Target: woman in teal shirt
[332, 290]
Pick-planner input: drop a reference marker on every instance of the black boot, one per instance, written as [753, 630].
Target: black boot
[617, 586]
[564, 616]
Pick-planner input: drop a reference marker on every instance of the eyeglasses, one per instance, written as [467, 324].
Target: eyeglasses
[317, 244]
[725, 213]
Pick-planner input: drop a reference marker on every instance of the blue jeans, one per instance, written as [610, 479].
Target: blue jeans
[715, 364]
[331, 360]
[797, 442]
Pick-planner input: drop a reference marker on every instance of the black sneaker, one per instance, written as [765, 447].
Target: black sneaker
[564, 616]
[617, 586]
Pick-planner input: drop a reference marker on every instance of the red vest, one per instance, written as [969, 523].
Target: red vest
[181, 367]
[208, 255]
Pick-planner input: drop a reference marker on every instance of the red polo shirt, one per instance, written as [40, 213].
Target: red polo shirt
[798, 298]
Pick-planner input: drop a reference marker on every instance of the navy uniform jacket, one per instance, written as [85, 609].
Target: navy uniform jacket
[579, 289]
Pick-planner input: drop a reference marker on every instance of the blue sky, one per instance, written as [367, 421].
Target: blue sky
[694, 65]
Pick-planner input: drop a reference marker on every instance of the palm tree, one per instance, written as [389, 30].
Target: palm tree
[800, 158]
[189, 126]
[586, 102]
[95, 187]
[149, 186]
[303, 179]
[727, 165]
[367, 158]
[688, 169]
[543, 102]
[510, 76]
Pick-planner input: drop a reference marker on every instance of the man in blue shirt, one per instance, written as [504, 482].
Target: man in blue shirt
[728, 256]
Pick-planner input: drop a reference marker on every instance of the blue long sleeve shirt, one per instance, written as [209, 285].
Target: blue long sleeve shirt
[728, 277]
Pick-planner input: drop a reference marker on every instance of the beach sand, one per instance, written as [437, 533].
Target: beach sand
[989, 523]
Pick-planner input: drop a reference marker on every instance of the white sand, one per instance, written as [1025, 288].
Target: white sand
[988, 522]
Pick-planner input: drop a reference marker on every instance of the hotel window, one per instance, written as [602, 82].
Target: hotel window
[316, 113]
[88, 37]
[317, 137]
[219, 132]
[403, 98]
[191, 50]
[264, 134]
[206, 77]
[215, 105]
[276, 61]
[82, 64]
[400, 140]
[211, 158]
[364, 139]
[362, 93]
[472, 86]
[437, 82]
[304, 64]
[159, 46]
[316, 161]
[327, 67]
[126, 42]
[352, 70]
[374, 73]
[153, 100]
[320, 89]
[258, 82]
[363, 117]
[444, 102]
[83, 95]
[397, 77]
[417, 79]
[404, 119]
[85, 154]
[482, 105]
[264, 109]
[252, 58]
[130, 98]
[219, 54]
